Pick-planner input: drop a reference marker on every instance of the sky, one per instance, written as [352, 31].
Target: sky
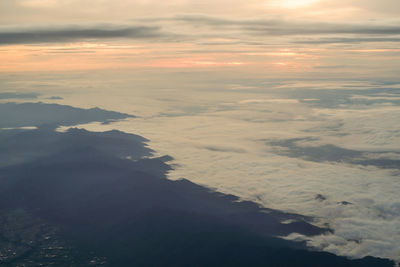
[299, 37]
[294, 104]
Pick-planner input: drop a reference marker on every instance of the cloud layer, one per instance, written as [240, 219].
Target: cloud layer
[181, 28]
[218, 139]
[76, 34]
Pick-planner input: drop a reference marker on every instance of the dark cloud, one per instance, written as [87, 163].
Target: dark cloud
[349, 33]
[323, 28]
[285, 27]
[224, 149]
[347, 40]
[216, 26]
[55, 98]
[76, 33]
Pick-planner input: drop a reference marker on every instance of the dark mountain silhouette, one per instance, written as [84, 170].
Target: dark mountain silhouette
[14, 95]
[36, 114]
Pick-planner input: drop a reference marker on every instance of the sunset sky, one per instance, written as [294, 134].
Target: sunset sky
[262, 37]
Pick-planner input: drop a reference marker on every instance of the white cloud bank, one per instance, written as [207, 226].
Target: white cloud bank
[220, 143]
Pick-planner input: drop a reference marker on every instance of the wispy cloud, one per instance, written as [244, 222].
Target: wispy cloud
[290, 27]
[348, 40]
[77, 33]
[197, 27]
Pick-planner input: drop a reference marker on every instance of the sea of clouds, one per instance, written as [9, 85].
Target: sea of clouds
[331, 151]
